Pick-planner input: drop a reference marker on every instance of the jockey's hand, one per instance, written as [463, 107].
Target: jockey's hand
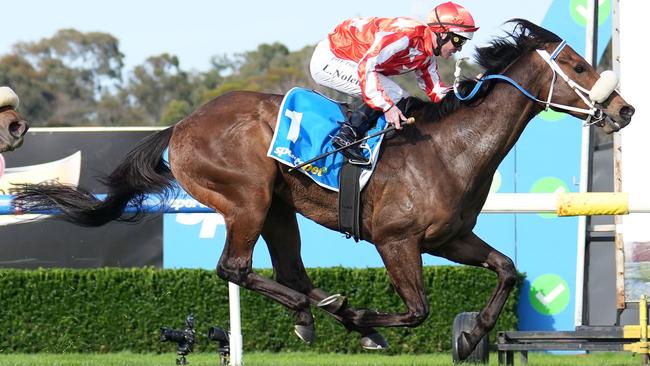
[394, 116]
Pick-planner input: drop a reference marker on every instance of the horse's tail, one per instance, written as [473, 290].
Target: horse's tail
[142, 171]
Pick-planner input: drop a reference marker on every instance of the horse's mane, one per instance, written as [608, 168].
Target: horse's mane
[502, 51]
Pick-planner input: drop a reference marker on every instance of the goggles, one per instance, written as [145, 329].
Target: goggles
[457, 41]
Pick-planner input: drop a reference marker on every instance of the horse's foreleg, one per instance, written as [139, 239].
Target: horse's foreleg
[473, 251]
[403, 263]
[282, 237]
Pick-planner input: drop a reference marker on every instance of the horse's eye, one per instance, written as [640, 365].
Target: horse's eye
[579, 68]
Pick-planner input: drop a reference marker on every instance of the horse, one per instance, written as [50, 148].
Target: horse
[426, 193]
[12, 126]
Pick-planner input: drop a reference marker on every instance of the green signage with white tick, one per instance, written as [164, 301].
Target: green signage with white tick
[549, 294]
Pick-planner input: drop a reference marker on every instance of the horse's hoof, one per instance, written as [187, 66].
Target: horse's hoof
[332, 303]
[373, 341]
[463, 346]
[305, 332]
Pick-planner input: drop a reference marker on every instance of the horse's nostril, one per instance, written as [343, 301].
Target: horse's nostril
[18, 129]
[627, 112]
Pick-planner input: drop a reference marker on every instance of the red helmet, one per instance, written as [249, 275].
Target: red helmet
[451, 17]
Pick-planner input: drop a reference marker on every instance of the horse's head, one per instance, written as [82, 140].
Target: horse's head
[573, 86]
[12, 126]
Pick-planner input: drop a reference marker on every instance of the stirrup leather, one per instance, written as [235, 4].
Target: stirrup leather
[347, 135]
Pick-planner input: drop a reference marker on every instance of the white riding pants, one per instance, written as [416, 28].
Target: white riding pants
[343, 75]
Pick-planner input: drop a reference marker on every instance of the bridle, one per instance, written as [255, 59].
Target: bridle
[594, 114]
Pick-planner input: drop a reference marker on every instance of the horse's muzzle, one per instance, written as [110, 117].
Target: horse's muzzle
[14, 136]
[626, 114]
[614, 122]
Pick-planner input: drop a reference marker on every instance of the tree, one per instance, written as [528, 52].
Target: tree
[271, 68]
[60, 79]
[265, 58]
[94, 55]
[156, 83]
[175, 111]
[75, 78]
[37, 96]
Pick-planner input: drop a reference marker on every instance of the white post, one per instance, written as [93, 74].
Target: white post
[236, 341]
[584, 169]
[619, 255]
[568, 204]
[634, 138]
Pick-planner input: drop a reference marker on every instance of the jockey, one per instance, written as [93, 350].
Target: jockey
[359, 55]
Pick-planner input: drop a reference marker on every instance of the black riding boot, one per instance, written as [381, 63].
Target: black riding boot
[355, 128]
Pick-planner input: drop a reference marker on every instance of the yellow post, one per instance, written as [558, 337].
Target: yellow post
[640, 332]
[643, 322]
[592, 203]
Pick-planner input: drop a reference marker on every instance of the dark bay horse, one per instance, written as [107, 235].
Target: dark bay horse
[12, 126]
[425, 196]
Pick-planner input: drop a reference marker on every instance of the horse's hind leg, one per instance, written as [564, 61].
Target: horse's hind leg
[244, 223]
[282, 237]
[218, 155]
[235, 265]
[473, 251]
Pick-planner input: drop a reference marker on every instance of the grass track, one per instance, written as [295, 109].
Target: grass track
[301, 358]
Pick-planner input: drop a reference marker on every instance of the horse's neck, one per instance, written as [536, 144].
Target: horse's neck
[479, 138]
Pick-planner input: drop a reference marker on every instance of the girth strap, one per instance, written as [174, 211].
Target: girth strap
[350, 201]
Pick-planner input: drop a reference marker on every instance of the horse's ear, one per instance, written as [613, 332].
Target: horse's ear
[8, 98]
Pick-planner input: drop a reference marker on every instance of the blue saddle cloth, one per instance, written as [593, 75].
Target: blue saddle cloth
[306, 123]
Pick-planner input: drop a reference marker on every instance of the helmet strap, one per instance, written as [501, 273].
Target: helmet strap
[441, 42]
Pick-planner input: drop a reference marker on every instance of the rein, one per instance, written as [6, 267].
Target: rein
[583, 93]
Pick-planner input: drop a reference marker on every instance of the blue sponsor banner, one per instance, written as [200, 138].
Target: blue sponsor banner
[196, 240]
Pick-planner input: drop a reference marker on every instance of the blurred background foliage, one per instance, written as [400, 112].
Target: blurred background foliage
[79, 79]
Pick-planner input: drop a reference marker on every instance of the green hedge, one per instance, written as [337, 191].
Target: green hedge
[108, 310]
